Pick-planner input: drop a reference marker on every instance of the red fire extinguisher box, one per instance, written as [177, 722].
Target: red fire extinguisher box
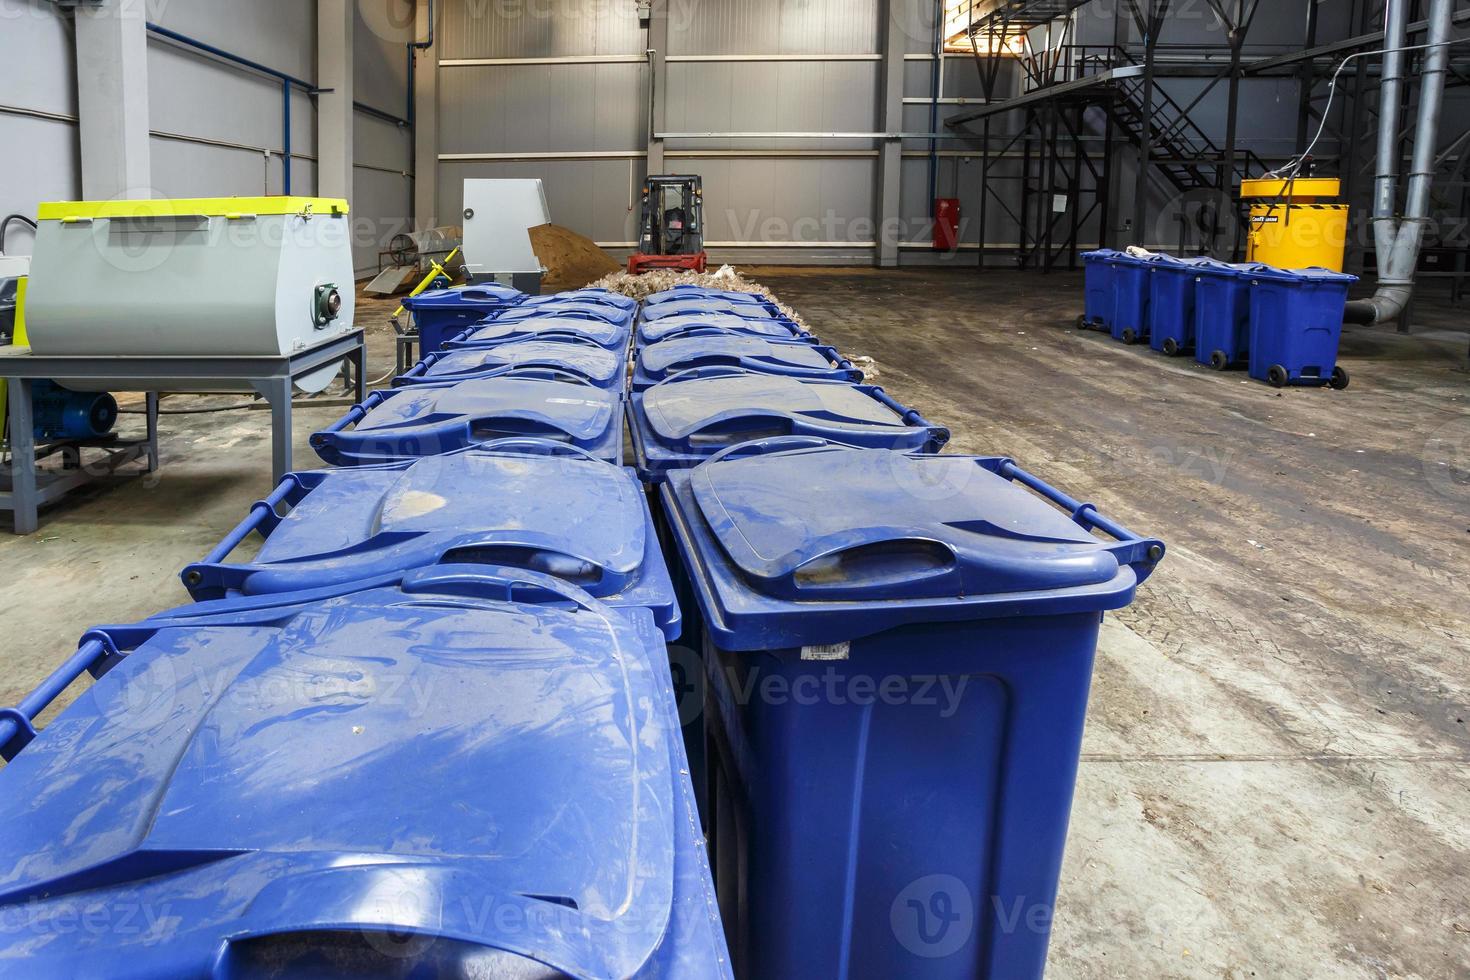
[946, 223]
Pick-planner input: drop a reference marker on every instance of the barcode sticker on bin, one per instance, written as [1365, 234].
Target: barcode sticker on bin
[826, 651]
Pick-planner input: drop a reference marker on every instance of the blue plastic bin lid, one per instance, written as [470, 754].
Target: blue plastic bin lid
[480, 755]
[467, 296]
[526, 503]
[681, 307]
[837, 523]
[558, 310]
[505, 406]
[691, 291]
[1313, 275]
[744, 350]
[653, 331]
[1101, 254]
[612, 334]
[570, 354]
[605, 297]
[708, 408]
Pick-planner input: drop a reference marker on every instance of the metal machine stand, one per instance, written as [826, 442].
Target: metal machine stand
[272, 377]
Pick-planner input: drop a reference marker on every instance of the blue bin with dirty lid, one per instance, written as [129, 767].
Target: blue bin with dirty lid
[1098, 298]
[470, 771]
[598, 295]
[763, 355]
[425, 420]
[898, 651]
[706, 325]
[524, 503]
[684, 307]
[619, 315]
[610, 334]
[440, 314]
[573, 356]
[1131, 296]
[1296, 324]
[1222, 312]
[1171, 303]
[690, 291]
[689, 417]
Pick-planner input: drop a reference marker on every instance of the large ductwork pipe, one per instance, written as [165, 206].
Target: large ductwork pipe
[1396, 240]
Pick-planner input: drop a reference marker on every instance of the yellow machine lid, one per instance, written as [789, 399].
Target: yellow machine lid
[1300, 187]
[214, 207]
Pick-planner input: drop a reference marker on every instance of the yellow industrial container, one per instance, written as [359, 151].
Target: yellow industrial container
[1294, 224]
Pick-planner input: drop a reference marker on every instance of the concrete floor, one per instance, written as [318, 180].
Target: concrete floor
[1276, 779]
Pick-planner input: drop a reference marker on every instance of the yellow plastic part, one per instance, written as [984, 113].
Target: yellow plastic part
[213, 207]
[1302, 190]
[1298, 236]
[435, 270]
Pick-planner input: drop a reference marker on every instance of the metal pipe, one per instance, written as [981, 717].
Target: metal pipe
[286, 138]
[1398, 241]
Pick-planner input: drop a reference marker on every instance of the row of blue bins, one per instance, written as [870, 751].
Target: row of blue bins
[432, 719]
[1283, 325]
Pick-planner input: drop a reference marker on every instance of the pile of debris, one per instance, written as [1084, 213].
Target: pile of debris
[571, 260]
[725, 277]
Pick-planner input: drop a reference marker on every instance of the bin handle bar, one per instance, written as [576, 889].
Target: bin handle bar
[358, 412]
[262, 518]
[495, 582]
[16, 724]
[910, 415]
[1134, 549]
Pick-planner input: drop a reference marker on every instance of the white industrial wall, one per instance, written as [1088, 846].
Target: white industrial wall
[217, 129]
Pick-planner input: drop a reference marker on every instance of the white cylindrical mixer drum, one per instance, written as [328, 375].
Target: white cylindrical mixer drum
[213, 277]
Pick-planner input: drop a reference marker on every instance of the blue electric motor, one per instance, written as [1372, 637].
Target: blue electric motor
[60, 413]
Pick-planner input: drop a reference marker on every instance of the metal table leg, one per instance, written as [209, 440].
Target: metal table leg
[151, 412]
[277, 391]
[22, 457]
[359, 357]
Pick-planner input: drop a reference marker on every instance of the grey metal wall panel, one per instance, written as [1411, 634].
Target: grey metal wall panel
[278, 33]
[773, 26]
[591, 197]
[777, 199]
[543, 108]
[194, 170]
[40, 158]
[198, 96]
[379, 53]
[536, 28]
[379, 211]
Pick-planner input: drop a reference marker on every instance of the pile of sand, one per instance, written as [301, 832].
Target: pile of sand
[571, 260]
[658, 280]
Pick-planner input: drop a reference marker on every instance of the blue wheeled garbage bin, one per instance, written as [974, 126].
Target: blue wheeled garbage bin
[694, 304]
[610, 334]
[1222, 312]
[691, 291]
[603, 297]
[572, 355]
[1130, 296]
[400, 424]
[1098, 298]
[583, 308]
[709, 324]
[763, 355]
[898, 649]
[1171, 303]
[524, 503]
[1296, 324]
[473, 771]
[689, 417]
[440, 314]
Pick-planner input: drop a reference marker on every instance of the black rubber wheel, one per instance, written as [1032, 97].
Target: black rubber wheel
[1339, 379]
[1277, 376]
[1082, 323]
[1130, 336]
[1171, 346]
[1218, 360]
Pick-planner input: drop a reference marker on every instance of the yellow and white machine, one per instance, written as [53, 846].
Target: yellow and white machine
[1296, 223]
[203, 277]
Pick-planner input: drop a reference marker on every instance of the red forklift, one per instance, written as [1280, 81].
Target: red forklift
[671, 229]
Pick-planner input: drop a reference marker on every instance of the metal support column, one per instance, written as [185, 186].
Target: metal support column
[426, 124]
[334, 112]
[658, 75]
[890, 152]
[112, 100]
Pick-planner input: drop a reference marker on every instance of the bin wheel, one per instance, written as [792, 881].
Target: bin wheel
[1218, 360]
[1276, 374]
[1130, 336]
[1339, 379]
[1171, 346]
[1082, 323]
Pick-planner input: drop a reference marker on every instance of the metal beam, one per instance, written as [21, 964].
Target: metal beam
[1342, 47]
[890, 110]
[1048, 92]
